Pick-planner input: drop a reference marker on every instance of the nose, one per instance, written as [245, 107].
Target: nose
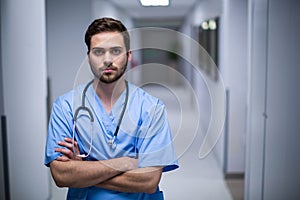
[107, 60]
[107, 63]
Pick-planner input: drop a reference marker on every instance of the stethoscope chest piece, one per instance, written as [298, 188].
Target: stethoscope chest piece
[112, 142]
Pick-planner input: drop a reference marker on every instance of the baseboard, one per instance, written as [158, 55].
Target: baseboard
[234, 176]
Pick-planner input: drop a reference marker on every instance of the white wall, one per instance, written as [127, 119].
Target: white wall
[282, 177]
[232, 65]
[2, 182]
[207, 10]
[104, 8]
[273, 133]
[23, 49]
[234, 71]
[257, 59]
[67, 21]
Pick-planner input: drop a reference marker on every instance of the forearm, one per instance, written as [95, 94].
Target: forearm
[143, 180]
[88, 173]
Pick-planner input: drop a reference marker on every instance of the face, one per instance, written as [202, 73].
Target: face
[108, 56]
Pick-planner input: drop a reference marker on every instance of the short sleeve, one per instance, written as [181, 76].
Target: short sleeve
[59, 127]
[155, 141]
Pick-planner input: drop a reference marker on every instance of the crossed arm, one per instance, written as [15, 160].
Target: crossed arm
[119, 174]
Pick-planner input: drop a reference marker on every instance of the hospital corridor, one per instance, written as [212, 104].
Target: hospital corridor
[226, 71]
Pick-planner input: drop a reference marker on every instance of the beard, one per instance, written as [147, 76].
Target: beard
[110, 77]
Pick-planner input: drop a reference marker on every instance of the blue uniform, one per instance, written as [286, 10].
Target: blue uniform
[144, 133]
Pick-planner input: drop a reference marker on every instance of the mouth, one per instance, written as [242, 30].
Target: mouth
[107, 70]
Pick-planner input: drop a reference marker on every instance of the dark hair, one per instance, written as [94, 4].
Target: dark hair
[106, 25]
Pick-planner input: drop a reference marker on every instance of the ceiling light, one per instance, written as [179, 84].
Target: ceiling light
[205, 25]
[212, 24]
[155, 2]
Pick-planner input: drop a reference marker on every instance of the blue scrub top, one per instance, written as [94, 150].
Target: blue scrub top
[144, 133]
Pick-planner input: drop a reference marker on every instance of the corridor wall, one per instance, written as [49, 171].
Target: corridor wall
[23, 61]
[274, 100]
[232, 65]
[2, 179]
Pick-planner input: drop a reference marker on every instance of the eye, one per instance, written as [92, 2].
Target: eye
[116, 51]
[98, 52]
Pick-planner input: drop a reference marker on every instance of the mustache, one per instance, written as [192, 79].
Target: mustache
[108, 67]
[105, 67]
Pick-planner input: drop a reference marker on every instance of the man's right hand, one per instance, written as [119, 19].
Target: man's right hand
[127, 163]
[67, 150]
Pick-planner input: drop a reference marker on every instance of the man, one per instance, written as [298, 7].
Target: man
[123, 152]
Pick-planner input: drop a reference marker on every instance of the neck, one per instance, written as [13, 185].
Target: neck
[109, 92]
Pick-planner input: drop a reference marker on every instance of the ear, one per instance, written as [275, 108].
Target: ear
[88, 58]
[129, 55]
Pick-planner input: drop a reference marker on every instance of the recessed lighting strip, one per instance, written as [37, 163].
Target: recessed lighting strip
[155, 2]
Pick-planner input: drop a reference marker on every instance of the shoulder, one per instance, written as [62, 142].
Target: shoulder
[64, 99]
[68, 100]
[140, 96]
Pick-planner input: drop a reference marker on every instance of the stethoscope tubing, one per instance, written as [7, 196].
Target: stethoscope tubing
[83, 107]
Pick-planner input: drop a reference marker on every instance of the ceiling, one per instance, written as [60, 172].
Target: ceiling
[171, 15]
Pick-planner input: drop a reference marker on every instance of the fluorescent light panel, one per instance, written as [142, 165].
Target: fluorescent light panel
[155, 2]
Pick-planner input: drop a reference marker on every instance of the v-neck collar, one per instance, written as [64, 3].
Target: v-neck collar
[99, 108]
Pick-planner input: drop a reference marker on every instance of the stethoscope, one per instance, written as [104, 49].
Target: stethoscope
[110, 142]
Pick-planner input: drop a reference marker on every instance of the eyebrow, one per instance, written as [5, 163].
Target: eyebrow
[115, 47]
